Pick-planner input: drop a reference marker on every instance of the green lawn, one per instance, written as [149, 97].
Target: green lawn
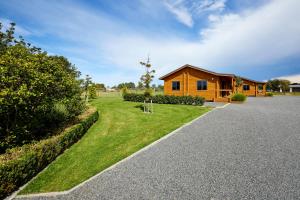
[287, 93]
[121, 130]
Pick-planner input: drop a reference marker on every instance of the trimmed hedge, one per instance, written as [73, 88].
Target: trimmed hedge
[269, 94]
[238, 97]
[19, 165]
[166, 99]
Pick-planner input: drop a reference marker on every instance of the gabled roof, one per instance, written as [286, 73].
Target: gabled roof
[251, 80]
[196, 68]
[204, 70]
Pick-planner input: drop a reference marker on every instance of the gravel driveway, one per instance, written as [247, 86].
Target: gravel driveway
[242, 151]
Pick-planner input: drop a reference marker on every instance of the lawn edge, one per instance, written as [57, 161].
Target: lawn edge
[53, 194]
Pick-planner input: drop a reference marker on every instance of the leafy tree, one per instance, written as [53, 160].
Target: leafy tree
[284, 85]
[86, 84]
[100, 86]
[92, 91]
[238, 83]
[38, 92]
[140, 85]
[160, 87]
[129, 85]
[273, 85]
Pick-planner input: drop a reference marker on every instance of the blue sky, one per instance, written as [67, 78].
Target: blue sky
[106, 39]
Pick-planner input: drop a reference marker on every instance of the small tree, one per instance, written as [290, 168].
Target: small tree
[147, 78]
[140, 85]
[92, 91]
[238, 83]
[87, 82]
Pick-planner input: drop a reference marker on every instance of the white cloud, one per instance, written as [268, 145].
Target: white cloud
[233, 43]
[181, 13]
[293, 78]
[186, 11]
[208, 5]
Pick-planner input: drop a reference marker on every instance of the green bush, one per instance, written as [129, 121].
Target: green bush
[269, 94]
[166, 99]
[124, 90]
[238, 97]
[32, 85]
[148, 93]
[19, 165]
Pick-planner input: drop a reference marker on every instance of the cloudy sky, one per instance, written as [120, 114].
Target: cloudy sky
[106, 39]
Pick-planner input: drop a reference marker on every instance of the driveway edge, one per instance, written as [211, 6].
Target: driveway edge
[53, 194]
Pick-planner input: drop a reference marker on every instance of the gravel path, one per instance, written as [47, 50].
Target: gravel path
[242, 151]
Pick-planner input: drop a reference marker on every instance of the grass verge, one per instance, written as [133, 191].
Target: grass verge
[122, 130]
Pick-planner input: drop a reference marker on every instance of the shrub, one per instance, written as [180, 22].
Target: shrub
[238, 97]
[19, 165]
[31, 83]
[166, 99]
[148, 93]
[269, 94]
[124, 90]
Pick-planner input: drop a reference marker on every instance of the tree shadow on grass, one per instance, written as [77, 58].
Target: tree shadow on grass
[140, 106]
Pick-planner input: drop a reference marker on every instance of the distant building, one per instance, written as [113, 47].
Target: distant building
[295, 87]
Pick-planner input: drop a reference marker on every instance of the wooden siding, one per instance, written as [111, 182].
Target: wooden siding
[188, 78]
[253, 88]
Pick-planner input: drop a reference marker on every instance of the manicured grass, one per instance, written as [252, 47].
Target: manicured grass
[287, 93]
[119, 94]
[121, 130]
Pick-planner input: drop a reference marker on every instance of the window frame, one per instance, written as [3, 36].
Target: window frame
[176, 85]
[247, 86]
[202, 85]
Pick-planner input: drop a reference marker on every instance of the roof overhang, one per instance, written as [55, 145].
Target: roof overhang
[196, 68]
[206, 71]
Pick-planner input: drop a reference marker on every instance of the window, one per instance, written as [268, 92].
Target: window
[246, 87]
[176, 85]
[202, 85]
[260, 87]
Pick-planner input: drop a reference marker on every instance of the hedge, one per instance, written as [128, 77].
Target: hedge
[19, 165]
[166, 99]
[269, 94]
[238, 97]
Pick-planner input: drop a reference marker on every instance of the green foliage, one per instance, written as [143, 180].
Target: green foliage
[140, 85]
[92, 91]
[147, 78]
[166, 99]
[100, 86]
[86, 83]
[19, 165]
[129, 85]
[269, 94]
[276, 84]
[238, 82]
[284, 85]
[148, 93]
[124, 91]
[31, 85]
[238, 97]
